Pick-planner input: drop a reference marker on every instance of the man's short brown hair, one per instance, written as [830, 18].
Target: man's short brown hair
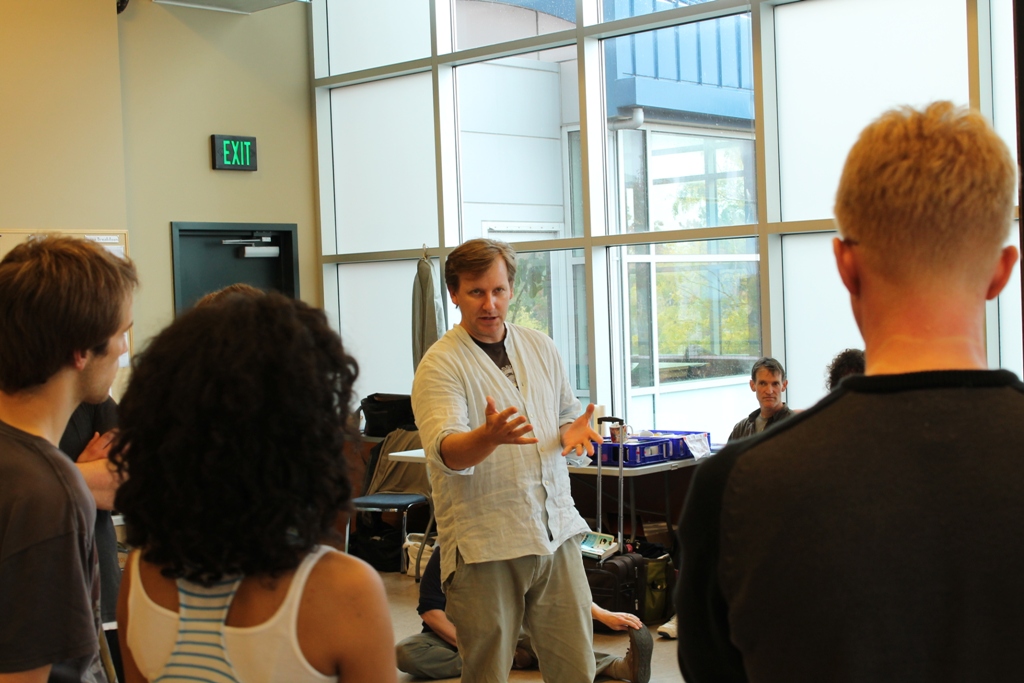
[475, 257]
[58, 295]
[927, 190]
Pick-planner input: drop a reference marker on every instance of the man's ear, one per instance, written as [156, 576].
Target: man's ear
[454, 297]
[848, 265]
[752, 387]
[785, 383]
[1003, 271]
[79, 359]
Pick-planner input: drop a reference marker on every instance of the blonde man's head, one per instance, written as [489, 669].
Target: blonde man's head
[927, 193]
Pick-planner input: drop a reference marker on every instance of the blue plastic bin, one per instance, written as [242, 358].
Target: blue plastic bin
[639, 451]
[678, 449]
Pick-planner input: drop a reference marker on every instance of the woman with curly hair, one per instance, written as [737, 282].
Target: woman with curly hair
[847, 362]
[231, 440]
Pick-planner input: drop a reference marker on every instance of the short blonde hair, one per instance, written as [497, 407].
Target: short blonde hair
[924, 190]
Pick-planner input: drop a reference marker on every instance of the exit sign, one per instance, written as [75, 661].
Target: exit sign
[234, 152]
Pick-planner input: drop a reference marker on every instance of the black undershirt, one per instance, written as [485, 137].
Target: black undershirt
[496, 352]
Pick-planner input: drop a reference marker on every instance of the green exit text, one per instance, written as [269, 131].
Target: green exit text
[234, 152]
[237, 153]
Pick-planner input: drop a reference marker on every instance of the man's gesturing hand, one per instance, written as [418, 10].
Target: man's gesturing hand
[501, 428]
[578, 435]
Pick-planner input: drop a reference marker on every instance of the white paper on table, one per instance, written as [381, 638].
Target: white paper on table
[698, 445]
[578, 460]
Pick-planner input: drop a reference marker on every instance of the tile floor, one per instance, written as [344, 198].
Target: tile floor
[403, 594]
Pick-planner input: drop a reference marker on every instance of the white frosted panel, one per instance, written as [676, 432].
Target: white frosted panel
[841, 63]
[384, 171]
[510, 147]
[375, 306]
[570, 93]
[713, 409]
[537, 216]
[1011, 353]
[481, 22]
[819, 323]
[510, 169]
[510, 97]
[363, 35]
[1003, 72]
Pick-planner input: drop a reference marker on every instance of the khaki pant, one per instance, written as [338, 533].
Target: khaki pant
[548, 595]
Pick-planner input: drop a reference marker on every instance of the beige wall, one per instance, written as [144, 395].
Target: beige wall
[105, 122]
[185, 75]
[61, 145]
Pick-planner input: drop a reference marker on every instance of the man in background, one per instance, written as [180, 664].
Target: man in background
[86, 440]
[66, 308]
[876, 536]
[767, 381]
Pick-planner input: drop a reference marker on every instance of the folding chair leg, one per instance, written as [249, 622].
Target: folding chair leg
[405, 535]
[426, 537]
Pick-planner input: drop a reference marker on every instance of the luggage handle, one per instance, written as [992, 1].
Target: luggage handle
[623, 436]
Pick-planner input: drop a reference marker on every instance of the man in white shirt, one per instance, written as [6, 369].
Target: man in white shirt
[496, 414]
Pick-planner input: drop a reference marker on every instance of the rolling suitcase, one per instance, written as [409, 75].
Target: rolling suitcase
[617, 583]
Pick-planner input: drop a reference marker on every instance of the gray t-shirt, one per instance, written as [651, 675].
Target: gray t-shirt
[49, 576]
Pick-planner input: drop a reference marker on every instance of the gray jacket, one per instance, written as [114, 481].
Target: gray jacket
[747, 426]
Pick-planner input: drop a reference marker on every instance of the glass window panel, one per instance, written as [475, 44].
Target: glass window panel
[1004, 73]
[486, 22]
[697, 73]
[693, 326]
[699, 182]
[680, 117]
[575, 183]
[363, 35]
[364, 290]
[384, 171]
[514, 171]
[620, 9]
[841, 63]
[1011, 353]
[550, 297]
[819, 323]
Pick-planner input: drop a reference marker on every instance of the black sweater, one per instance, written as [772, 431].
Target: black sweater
[878, 536]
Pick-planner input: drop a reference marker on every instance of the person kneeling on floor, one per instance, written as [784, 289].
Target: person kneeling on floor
[434, 653]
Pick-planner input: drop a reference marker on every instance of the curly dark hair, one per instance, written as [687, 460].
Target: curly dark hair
[231, 437]
[846, 362]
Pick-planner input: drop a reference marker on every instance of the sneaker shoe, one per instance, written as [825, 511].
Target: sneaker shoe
[522, 659]
[670, 629]
[638, 656]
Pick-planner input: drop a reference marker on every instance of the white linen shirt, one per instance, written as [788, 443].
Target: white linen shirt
[517, 501]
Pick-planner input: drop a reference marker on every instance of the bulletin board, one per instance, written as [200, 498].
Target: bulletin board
[114, 241]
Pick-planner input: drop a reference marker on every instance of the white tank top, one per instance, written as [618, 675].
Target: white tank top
[258, 654]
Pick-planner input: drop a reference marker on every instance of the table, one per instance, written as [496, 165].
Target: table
[628, 473]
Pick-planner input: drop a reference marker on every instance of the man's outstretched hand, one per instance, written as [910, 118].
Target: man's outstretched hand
[578, 435]
[502, 428]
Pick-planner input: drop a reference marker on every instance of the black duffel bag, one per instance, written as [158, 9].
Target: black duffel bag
[384, 413]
